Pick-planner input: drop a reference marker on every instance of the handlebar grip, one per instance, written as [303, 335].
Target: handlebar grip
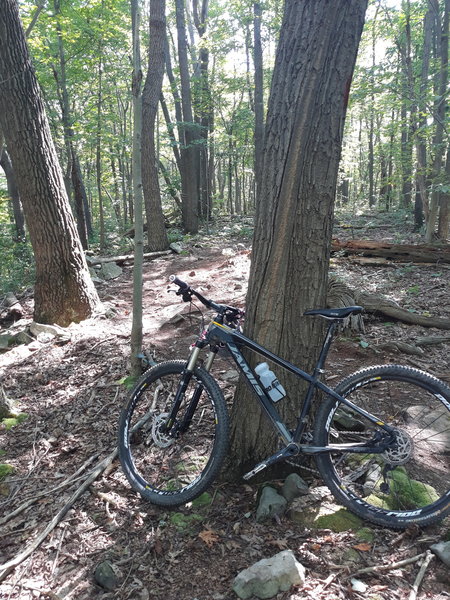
[181, 284]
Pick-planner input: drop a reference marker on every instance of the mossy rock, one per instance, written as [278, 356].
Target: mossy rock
[318, 511]
[405, 493]
[13, 421]
[5, 470]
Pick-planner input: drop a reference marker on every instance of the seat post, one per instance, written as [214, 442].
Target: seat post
[325, 348]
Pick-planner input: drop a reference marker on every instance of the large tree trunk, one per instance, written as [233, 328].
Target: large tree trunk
[156, 231]
[310, 87]
[64, 291]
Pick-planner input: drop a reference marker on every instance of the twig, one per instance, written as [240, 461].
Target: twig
[420, 575]
[6, 568]
[60, 486]
[397, 565]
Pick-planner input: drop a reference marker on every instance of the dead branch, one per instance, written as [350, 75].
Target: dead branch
[420, 575]
[9, 566]
[126, 258]
[59, 487]
[390, 567]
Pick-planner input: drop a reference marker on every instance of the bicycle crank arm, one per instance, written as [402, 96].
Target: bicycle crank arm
[288, 452]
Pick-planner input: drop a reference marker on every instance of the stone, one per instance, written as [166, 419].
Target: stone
[293, 487]
[177, 248]
[271, 504]
[5, 342]
[38, 328]
[109, 271]
[106, 576]
[442, 551]
[269, 576]
[232, 376]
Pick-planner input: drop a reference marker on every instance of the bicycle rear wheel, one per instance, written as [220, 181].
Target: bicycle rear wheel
[410, 481]
[170, 471]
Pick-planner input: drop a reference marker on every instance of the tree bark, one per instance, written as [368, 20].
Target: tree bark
[136, 328]
[156, 231]
[64, 291]
[309, 93]
[19, 220]
[189, 153]
[259, 94]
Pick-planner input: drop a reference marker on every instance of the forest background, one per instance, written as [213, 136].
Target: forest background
[209, 125]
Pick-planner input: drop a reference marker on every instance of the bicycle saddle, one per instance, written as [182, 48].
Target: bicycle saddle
[335, 313]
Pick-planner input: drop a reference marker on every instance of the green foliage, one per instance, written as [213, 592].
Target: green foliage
[11, 422]
[5, 470]
[17, 262]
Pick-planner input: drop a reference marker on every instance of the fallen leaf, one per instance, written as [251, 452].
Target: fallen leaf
[209, 537]
[364, 547]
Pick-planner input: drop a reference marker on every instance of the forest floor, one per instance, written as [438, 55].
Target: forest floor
[71, 388]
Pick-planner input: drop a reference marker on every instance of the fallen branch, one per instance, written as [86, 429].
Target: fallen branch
[9, 566]
[120, 260]
[421, 574]
[397, 565]
[59, 487]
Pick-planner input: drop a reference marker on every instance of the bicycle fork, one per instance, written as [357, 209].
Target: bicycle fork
[181, 391]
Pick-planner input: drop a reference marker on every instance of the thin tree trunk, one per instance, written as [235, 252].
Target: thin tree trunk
[136, 328]
[19, 220]
[259, 94]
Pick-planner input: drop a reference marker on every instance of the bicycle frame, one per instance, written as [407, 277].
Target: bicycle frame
[234, 341]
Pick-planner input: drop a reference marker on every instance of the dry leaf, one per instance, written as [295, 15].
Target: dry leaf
[364, 547]
[209, 537]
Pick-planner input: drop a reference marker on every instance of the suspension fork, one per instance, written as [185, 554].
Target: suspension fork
[193, 403]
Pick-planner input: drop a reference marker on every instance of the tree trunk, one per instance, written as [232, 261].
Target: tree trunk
[309, 93]
[189, 153]
[259, 94]
[5, 163]
[156, 231]
[64, 291]
[136, 328]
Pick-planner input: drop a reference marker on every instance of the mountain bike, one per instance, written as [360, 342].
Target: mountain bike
[380, 439]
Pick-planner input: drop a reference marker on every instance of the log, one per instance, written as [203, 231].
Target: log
[126, 258]
[397, 252]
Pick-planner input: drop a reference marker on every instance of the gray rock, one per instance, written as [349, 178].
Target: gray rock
[6, 341]
[269, 576]
[232, 376]
[177, 248]
[293, 487]
[54, 330]
[442, 551]
[106, 576]
[109, 271]
[271, 504]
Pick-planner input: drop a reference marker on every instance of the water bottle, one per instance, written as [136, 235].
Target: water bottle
[270, 382]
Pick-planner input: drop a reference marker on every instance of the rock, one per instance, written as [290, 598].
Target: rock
[271, 504]
[106, 576]
[94, 276]
[372, 478]
[109, 271]
[293, 487]
[38, 328]
[23, 338]
[177, 248]
[269, 576]
[5, 342]
[358, 586]
[442, 551]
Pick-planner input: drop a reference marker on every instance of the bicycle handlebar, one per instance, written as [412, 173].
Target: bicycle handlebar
[186, 292]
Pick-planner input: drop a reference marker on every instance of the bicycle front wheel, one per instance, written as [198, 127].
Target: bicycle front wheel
[410, 481]
[170, 469]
